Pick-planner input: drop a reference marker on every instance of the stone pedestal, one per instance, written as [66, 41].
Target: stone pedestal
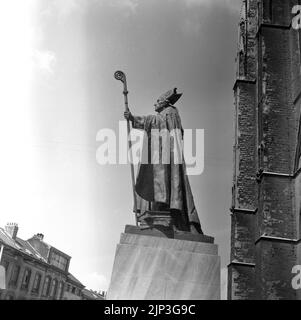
[152, 266]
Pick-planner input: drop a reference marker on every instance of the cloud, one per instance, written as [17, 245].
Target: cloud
[194, 17]
[232, 5]
[95, 281]
[124, 4]
[44, 60]
[224, 283]
[197, 2]
[64, 8]
[191, 26]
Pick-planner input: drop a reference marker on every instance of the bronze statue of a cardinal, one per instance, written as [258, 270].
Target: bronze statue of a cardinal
[163, 186]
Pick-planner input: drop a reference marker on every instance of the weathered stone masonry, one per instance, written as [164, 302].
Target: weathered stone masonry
[265, 235]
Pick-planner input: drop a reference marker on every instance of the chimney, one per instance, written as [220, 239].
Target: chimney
[12, 230]
[39, 236]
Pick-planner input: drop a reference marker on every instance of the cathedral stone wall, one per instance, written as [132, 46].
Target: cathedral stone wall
[265, 230]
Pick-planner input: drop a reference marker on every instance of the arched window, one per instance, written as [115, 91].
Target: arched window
[54, 287]
[60, 291]
[36, 283]
[46, 287]
[15, 275]
[26, 279]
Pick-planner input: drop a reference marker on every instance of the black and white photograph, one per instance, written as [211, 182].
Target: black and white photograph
[150, 151]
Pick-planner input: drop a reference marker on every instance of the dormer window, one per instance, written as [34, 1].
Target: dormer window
[59, 261]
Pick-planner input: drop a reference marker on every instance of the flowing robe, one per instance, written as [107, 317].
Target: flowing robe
[162, 183]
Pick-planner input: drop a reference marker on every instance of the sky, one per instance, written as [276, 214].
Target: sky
[58, 58]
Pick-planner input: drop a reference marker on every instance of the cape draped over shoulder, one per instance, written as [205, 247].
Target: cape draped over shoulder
[164, 184]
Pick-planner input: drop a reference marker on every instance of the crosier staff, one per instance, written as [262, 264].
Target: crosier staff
[119, 75]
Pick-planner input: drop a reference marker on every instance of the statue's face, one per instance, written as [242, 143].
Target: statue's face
[160, 105]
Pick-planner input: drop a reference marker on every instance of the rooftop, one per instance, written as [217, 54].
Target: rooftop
[93, 295]
[25, 247]
[18, 244]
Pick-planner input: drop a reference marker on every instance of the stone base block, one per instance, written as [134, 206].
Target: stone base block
[156, 268]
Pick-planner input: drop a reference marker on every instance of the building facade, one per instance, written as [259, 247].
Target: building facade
[266, 193]
[35, 270]
[93, 295]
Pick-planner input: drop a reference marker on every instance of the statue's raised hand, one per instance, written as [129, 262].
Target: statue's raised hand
[128, 115]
